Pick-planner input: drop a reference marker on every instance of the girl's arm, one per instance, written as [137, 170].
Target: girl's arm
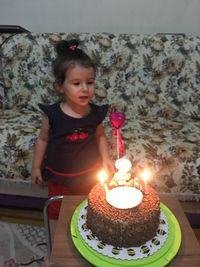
[103, 148]
[40, 149]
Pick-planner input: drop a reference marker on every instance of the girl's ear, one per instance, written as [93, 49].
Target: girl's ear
[58, 87]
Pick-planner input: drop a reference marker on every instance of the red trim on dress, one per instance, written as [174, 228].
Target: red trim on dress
[72, 174]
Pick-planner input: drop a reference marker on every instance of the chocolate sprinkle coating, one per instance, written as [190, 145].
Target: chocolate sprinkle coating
[123, 227]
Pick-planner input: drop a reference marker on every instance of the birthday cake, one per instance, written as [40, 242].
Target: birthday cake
[123, 227]
[124, 212]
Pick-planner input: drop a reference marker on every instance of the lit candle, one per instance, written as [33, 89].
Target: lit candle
[103, 176]
[124, 197]
[146, 174]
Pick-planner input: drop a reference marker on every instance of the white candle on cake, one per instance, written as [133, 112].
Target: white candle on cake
[123, 164]
[146, 174]
[103, 176]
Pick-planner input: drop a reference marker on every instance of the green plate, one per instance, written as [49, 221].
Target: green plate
[160, 258]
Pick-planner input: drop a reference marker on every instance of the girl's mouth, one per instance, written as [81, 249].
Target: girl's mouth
[83, 97]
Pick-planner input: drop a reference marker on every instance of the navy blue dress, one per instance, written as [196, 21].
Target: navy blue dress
[72, 152]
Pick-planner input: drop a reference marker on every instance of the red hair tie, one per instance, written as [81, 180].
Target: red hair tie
[73, 47]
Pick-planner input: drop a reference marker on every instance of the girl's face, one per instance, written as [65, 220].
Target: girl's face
[79, 85]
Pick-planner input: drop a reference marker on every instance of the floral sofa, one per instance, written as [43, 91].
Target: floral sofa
[154, 79]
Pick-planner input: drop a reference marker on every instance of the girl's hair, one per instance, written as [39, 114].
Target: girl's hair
[69, 55]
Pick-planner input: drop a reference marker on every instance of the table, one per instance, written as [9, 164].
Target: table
[64, 253]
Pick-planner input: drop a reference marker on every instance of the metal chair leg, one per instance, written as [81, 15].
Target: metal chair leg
[46, 221]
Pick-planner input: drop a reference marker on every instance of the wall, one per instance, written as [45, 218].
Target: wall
[127, 16]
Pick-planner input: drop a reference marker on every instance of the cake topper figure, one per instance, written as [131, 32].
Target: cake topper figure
[117, 119]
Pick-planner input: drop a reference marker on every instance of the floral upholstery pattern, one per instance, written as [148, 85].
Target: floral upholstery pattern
[154, 79]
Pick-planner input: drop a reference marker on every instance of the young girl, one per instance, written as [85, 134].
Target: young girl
[71, 146]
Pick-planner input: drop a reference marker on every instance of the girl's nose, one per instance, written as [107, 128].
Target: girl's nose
[84, 87]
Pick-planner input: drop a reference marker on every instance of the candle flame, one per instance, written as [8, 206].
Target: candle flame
[102, 176]
[146, 174]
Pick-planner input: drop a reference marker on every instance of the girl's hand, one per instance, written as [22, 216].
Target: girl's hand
[36, 176]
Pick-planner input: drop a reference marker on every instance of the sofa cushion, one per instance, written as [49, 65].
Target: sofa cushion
[18, 133]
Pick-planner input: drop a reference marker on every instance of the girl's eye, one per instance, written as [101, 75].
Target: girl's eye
[91, 83]
[76, 84]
